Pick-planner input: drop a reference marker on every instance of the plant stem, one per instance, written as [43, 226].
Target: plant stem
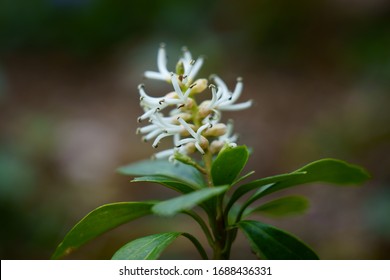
[221, 232]
[198, 246]
[208, 159]
[202, 224]
[218, 221]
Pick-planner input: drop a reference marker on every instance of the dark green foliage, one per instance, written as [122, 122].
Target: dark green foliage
[272, 243]
[224, 212]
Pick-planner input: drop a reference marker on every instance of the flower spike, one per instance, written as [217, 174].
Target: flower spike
[193, 127]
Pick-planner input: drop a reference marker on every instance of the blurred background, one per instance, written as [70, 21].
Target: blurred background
[318, 72]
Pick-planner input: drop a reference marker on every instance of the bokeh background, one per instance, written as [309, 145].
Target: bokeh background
[318, 71]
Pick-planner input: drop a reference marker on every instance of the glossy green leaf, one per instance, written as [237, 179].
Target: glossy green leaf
[334, 171]
[146, 248]
[243, 177]
[272, 243]
[324, 171]
[178, 171]
[150, 247]
[228, 165]
[166, 181]
[99, 221]
[243, 189]
[281, 207]
[185, 202]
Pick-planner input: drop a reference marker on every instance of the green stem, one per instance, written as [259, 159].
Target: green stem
[202, 224]
[217, 219]
[197, 244]
[221, 232]
[208, 159]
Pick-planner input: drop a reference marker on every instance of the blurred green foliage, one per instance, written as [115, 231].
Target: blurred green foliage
[86, 26]
[353, 36]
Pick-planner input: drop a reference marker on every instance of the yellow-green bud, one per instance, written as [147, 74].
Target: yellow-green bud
[171, 94]
[216, 130]
[185, 116]
[190, 148]
[216, 146]
[188, 105]
[204, 143]
[204, 109]
[179, 68]
[198, 86]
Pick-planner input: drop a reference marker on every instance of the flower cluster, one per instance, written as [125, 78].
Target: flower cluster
[193, 127]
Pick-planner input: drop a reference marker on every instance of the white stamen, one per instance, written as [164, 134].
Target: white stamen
[147, 114]
[197, 145]
[236, 107]
[200, 130]
[187, 127]
[146, 99]
[176, 86]
[237, 90]
[162, 61]
[146, 129]
[195, 69]
[214, 95]
[221, 84]
[187, 71]
[152, 134]
[164, 154]
[155, 75]
[185, 141]
[186, 54]
[158, 138]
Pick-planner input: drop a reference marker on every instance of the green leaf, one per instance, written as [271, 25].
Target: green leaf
[325, 171]
[272, 243]
[285, 206]
[100, 220]
[228, 165]
[146, 248]
[333, 171]
[243, 177]
[166, 181]
[240, 191]
[178, 171]
[150, 247]
[185, 202]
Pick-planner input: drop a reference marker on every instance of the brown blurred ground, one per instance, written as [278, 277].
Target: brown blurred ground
[318, 73]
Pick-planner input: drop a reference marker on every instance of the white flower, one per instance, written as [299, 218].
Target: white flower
[159, 128]
[169, 153]
[229, 137]
[200, 141]
[163, 73]
[223, 99]
[191, 126]
[152, 105]
[191, 67]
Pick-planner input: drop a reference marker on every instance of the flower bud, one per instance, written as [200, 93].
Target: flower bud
[216, 146]
[204, 143]
[190, 148]
[180, 68]
[188, 105]
[171, 95]
[204, 109]
[198, 86]
[216, 130]
[185, 116]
